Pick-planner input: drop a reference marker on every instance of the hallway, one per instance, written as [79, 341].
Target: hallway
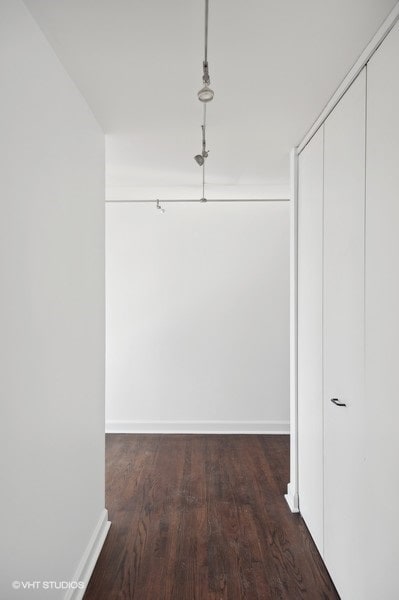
[203, 517]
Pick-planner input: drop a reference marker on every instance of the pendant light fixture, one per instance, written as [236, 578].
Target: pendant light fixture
[205, 95]
[200, 158]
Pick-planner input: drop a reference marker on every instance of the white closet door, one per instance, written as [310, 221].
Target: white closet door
[382, 319]
[310, 395]
[344, 207]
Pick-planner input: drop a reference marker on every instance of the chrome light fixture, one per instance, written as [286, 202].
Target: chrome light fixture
[200, 158]
[206, 94]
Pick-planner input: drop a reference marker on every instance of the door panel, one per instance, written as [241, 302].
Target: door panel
[344, 214]
[310, 286]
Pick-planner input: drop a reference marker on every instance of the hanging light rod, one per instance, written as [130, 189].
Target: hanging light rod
[201, 200]
[206, 94]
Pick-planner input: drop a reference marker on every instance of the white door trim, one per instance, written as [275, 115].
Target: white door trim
[292, 489]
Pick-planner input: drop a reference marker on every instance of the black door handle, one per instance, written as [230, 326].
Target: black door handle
[337, 402]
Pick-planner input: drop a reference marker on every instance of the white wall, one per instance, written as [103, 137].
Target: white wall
[52, 313]
[197, 317]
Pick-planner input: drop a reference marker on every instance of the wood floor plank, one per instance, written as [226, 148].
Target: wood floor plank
[203, 517]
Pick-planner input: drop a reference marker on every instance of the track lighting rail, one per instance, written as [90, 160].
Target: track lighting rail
[201, 200]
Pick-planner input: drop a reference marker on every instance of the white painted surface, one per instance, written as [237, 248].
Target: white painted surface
[139, 65]
[52, 313]
[345, 534]
[310, 336]
[198, 316]
[382, 323]
[292, 496]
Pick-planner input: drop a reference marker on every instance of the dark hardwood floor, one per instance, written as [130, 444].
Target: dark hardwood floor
[203, 517]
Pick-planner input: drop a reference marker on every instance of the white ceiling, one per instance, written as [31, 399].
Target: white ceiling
[273, 65]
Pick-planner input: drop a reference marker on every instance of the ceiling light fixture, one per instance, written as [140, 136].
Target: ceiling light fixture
[200, 158]
[206, 94]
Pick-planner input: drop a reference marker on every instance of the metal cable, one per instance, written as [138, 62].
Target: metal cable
[204, 144]
[206, 29]
[204, 104]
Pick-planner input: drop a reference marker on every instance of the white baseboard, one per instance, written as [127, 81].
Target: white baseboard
[250, 427]
[292, 499]
[90, 556]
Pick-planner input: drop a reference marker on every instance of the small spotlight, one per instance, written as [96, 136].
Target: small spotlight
[159, 207]
[205, 94]
[199, 159]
